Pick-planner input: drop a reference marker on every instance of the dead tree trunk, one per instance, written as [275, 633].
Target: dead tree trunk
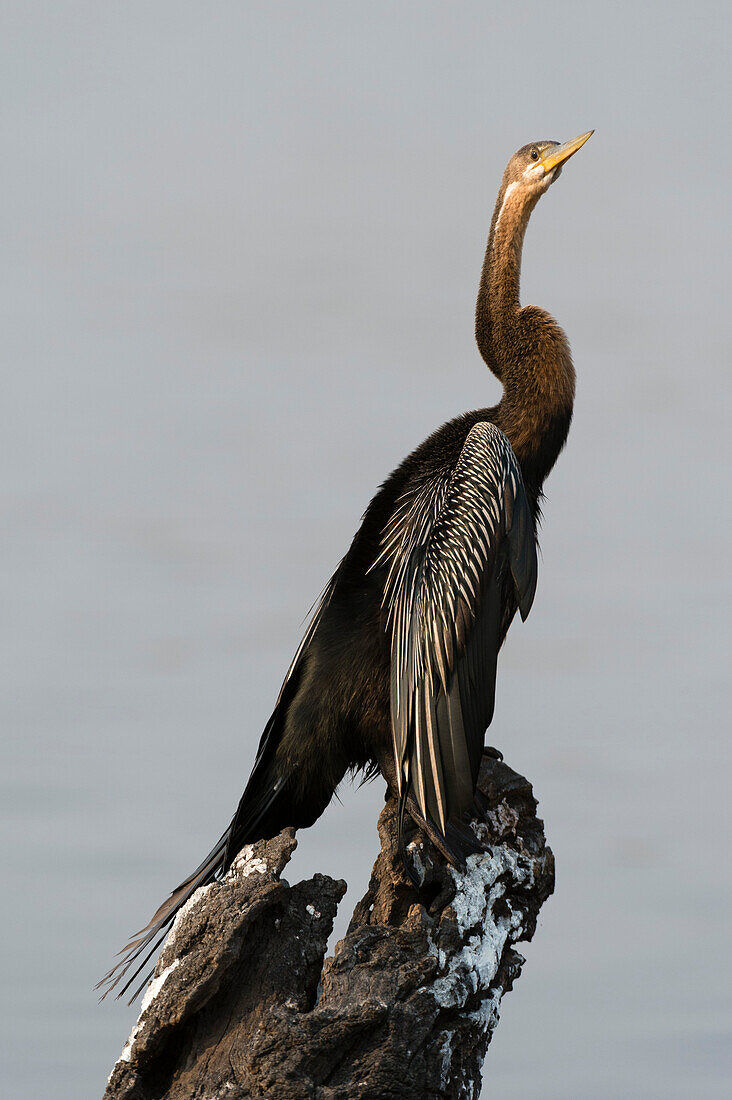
[243, 1006]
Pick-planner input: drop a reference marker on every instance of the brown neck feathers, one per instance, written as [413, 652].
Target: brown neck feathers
[524, 347]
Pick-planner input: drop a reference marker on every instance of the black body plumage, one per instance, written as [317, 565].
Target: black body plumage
[397, 669]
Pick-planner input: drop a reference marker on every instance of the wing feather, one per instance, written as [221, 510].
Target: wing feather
[451, 539]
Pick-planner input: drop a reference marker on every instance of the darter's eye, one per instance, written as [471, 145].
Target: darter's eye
[534, 154]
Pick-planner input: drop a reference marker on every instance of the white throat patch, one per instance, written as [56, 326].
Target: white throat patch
[509, 191]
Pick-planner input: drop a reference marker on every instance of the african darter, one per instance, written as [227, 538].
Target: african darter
[396, 672]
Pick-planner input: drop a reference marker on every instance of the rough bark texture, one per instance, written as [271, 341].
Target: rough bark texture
[243, 1006]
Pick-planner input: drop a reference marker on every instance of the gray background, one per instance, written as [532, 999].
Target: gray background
[240, 250]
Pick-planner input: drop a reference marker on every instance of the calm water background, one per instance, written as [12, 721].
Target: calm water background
[241, 244]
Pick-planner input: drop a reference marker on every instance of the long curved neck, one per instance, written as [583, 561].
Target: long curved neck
[498, 305]
[525, 348]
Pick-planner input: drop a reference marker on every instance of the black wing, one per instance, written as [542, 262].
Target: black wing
[448, 545]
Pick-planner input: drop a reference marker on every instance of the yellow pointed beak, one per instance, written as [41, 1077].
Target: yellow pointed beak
[556, 156]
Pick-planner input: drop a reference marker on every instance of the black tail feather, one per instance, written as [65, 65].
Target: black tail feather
[263, 811]
[156, 930]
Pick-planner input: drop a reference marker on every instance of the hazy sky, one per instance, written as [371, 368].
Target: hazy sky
[241, 245]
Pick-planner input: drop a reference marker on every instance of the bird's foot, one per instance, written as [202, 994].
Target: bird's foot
[431, 874]
[458, 842]
[494, 754]
[439, 886]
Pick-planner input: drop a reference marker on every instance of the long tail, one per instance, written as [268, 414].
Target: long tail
[145, 943]
[264, 809]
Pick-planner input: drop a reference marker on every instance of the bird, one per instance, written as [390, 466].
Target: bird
[396, 672]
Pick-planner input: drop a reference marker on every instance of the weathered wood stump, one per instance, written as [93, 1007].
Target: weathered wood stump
[242, 1004]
